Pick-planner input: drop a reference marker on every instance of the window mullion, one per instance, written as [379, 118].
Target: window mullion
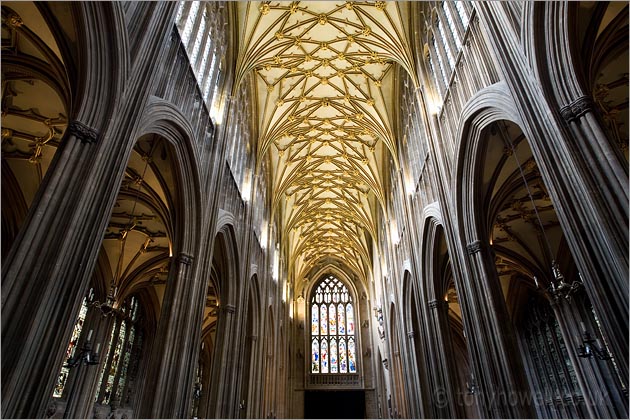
[457, 22]
[195, 29]
[437, 60]
[449, 31]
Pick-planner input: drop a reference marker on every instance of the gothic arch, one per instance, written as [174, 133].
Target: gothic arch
[490, 104]
[100, 76]
[414, 335]
[225, 239]
[251, 356]
[164, 119]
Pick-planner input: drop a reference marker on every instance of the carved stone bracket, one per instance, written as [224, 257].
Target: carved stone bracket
[185, 259]
[83, 132]
[411, 334]
[438, 303]
[14, 20]
[577, 108]
[473, 247]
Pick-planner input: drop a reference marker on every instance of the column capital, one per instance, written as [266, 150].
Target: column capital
[437, 303]
[474, 247]
[229, 308]
[577, 108]
[185, 259]
[83, 132]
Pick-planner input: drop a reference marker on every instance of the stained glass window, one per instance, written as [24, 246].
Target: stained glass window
[74, 339]
[123, 352]
[333, 341]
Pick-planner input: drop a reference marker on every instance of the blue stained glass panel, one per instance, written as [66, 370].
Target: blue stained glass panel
[332, 323]
[352, 363]
[324, 356]
[315, 356]
[350, 319]
[315, 320]
[340, 319]
[324, 320]
[333, 356]
[343, 361]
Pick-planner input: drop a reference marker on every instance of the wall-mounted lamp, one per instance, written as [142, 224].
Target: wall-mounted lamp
[471, 386]
[85, 357]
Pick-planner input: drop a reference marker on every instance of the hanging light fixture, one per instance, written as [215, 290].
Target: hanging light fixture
[558, 287]
[107, 307]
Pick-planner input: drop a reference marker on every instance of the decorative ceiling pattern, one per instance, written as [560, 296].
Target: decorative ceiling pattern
[324, 80]
[137, 241]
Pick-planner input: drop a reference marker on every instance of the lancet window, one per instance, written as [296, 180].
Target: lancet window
[201, 27]
[448, 27]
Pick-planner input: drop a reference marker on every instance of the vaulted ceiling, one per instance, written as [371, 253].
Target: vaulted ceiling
[324, 80]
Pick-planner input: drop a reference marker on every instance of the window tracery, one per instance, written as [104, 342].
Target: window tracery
[333, 340]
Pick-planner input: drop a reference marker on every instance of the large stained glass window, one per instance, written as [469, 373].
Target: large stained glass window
[333, 341]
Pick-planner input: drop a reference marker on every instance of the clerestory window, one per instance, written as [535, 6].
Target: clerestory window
[333, 334]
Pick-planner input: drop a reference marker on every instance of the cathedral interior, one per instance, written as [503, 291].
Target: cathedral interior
[317, 209]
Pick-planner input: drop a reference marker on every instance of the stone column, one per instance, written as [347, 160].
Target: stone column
[84, 385]
[586, 179]
[604, 173]
[48, 269]
[176, 343]
[446, 402]
[45, 277]
[223, 372]
[502, 389]
[415, 393]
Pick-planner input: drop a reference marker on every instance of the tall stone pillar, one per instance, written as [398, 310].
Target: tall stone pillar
[44, 277]
[48, 269]
[447, 404]
[174, 358]
[606, 278]
[501, 385]
[83, 386]
[222, 401]
[586, 178]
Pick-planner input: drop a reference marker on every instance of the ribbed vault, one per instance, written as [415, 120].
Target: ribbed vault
[324, 80]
